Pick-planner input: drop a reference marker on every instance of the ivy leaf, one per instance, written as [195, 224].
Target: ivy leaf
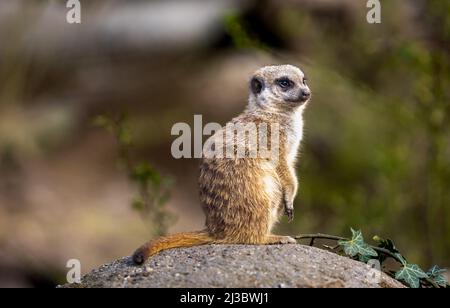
[357, 246]
[436, 274]
[411, 274]
[435, 270]
[367, 251]
[364, 258]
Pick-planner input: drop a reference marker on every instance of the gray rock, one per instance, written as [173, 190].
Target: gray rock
[237, 266]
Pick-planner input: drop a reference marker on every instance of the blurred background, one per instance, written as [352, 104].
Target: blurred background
[86, 112]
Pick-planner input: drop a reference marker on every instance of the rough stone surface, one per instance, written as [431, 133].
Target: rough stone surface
[236, 266]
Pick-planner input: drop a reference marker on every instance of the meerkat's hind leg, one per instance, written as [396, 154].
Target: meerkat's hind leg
[279, 239]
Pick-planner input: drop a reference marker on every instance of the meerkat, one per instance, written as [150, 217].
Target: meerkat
[244, 197]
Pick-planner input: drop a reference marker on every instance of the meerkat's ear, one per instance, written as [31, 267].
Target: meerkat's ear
[256, 85]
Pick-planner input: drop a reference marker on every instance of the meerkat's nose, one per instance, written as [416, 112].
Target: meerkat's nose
[305, 94]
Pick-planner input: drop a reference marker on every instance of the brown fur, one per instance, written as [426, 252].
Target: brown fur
[185, 239]
[243, 198]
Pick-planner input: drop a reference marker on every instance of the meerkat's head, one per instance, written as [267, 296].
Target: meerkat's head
[279, 88]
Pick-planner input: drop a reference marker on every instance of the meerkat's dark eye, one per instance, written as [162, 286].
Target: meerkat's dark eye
[285, 83]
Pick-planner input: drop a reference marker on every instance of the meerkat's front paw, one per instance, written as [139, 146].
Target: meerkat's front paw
[286, 240]
[289, 213]
[289, 207]
[289, 210]
[280, 239]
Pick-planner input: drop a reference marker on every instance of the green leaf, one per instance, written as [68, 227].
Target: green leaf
[436, 274]
[411, 274]
[144, 173]
[364, 258]
[357, 246]
[366, 250]
[138, 204]
[435, 270]
[349, 248]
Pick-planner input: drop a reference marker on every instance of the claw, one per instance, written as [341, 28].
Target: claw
[290, 214]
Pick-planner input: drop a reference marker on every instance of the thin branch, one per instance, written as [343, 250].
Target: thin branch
[331, 247]
[320, 236]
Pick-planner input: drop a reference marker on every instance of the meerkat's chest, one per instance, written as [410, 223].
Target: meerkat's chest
[294, 135]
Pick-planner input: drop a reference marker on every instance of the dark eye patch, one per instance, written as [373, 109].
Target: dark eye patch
[285, 83]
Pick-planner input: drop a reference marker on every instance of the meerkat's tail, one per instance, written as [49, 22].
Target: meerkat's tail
[185, 239]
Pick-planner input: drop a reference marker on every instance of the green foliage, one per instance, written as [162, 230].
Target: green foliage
[153, 187]
[388, 245]
[239, 34]
[436, 274]
[411, 274]
[145, 175]
[378, 149]
[357, 247]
